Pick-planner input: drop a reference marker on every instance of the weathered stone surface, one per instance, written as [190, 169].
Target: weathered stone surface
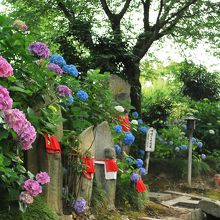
[176, 200]
[103, 139]
[119, 88]
[158, 197]
[66, 217]
[86, 144]
[210, 207]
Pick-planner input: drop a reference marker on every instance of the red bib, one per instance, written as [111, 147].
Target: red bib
[52, 144]
[140, 187]
[111, 166]
[125, 123]
[90, 168]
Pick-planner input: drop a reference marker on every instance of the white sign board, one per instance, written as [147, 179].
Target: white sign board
[150, 140]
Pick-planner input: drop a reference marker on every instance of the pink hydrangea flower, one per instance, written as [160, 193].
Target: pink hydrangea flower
[5, 68]
[64, 90]
[42, 178]
[32, 187]
[55, 68]
[26, 198]
[5, 100]
[20, 25]
[18, 122]
[27, 136]
[15, 119]
[39, 49]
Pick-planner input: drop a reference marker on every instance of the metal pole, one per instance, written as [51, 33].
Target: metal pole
[190, 159]
[147, 161]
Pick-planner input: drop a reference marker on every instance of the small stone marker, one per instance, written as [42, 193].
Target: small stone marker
[104, 147]
[86, 143]
[149, 145]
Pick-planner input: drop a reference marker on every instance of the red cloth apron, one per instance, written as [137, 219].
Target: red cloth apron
[52, 144]
[111, 166]
[125, 123]
[140, 187]
[90, 168]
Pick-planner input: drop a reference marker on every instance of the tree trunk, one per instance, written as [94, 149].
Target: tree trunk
[132, 72]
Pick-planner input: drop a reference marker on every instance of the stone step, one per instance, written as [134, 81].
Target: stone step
[173, 202]
[184, 194]
[192, 204]
[210, 207]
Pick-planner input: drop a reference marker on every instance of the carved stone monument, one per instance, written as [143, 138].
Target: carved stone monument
[104, 149]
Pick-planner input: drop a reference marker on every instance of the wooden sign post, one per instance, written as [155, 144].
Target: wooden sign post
[149, 145]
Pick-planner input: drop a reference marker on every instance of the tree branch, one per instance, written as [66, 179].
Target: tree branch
[124, 9]
[146, 6]
[67, 12]
[106, 9]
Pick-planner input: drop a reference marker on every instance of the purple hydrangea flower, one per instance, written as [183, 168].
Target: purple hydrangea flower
[143, 129]
[64, 90]
[42, 178]
[70, 69]
[203, 156]
[57, 59]
[39, 49]
[5, 100]
[199, 144]
[55, 68]
[135, 114]
[139, 163]
[134, 177]
[80, 205]
[26, 198]
[118, 129]
[117, 149]
[183, 147]
[82, 95]
[32, 187]
[129, 138]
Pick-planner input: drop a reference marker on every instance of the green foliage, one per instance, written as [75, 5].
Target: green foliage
[208, 114]
[197, 82]
[38, 210]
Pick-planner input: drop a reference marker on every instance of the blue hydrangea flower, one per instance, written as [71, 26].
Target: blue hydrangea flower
[139, 163]
[183, 147]
[69, 100]
[140, 121]
[170, 143]
[142, 152]
[199, 144]
[135, 114]
[129, 160]
[57, 59]
[129, 138]
[143, 171]
[193, 140]
[70, 69]
[82, 95]
[134, 177]
[143, 129]
[203, 156]
[118, 129]
[177, 149]
[117, 149]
